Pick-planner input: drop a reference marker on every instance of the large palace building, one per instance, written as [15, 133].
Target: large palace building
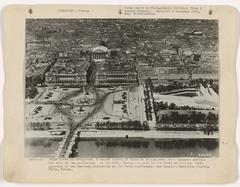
[107, 70]
[68, 72]
[115, 77]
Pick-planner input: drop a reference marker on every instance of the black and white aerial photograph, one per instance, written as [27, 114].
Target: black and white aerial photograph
[121, 88]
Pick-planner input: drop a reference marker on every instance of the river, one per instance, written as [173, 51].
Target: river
[131, 147]
[141, 148]
[41, 147]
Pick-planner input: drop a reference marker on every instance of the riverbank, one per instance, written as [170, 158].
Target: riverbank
[43, 134]
[128, 133]
[148, 134]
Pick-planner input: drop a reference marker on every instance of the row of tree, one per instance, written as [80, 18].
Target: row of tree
[172, 106]
[32, 81]
[166, 88]
[193, 118]
[39, 126]
[128, 125]
[31, 92]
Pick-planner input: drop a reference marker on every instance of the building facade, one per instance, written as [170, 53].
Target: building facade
[68, 72]
[99, 53]
[115, 77]
[66, 79]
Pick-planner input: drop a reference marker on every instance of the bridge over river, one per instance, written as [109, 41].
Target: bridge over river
[100, 99]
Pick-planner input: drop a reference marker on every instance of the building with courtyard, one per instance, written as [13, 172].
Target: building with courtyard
[68, 72]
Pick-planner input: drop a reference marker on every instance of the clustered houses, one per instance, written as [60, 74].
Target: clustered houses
[73, 71]
[184, 68]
